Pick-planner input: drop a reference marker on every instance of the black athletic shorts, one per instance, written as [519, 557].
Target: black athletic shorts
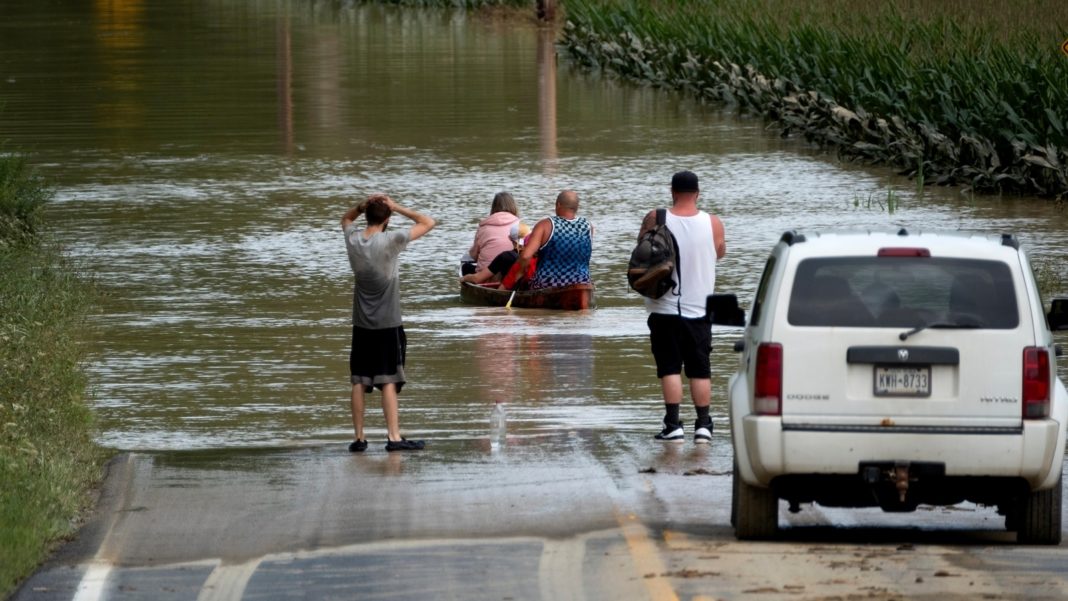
[377, 357]
[680, 342]
[503, 262]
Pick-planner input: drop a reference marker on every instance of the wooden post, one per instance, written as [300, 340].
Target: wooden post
[547, 10]
[547, 96]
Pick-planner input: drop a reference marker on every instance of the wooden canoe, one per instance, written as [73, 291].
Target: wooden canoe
[566, 298]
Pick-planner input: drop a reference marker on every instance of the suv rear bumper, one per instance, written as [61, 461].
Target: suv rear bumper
[1029, 452]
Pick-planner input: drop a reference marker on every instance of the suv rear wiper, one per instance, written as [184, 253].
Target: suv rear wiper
[948, 325]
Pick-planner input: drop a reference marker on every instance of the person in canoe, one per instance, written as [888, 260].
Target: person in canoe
[502, 265]
[563, 243]
[491, 237]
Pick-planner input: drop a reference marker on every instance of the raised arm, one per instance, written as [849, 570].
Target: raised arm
[423, 223]
[350, 215]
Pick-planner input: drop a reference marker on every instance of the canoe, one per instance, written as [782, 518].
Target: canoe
[567, 298]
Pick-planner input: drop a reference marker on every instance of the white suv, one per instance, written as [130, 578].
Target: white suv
[898, 369]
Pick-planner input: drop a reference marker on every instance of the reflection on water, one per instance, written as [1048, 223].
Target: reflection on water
[284, 67]
[546, 54]
[205, 151]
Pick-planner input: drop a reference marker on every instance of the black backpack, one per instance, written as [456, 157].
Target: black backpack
[653, 260]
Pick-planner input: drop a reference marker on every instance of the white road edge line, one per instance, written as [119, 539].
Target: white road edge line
[91, 587]
[93, 582]
[227, 582]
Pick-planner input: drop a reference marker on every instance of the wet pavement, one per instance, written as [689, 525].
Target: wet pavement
[576, 515]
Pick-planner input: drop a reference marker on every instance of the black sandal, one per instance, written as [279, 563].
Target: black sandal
[405, 445]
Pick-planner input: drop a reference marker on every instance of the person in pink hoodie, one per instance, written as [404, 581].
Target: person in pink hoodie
[491, 238]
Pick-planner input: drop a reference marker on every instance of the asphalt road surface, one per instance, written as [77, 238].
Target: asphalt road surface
[571, 516]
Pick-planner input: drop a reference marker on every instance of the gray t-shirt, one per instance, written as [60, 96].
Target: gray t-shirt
[376, 297]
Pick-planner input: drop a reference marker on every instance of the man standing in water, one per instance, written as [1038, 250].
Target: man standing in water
[378, 341]
[679, 332]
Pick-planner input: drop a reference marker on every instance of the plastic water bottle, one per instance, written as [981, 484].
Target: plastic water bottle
[498, 423]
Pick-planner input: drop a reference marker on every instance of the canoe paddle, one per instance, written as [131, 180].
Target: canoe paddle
[508, 305]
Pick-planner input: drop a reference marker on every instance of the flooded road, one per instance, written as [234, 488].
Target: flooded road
[204, 152]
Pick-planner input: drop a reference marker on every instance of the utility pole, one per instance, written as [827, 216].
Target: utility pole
[547, 10]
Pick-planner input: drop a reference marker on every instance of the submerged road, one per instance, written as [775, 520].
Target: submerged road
[571, 516]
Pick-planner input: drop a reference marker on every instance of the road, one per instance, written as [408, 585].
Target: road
[580, 515]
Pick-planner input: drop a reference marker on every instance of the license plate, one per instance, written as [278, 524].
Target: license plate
[903, 381]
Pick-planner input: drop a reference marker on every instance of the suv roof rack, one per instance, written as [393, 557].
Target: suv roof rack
[791, 237]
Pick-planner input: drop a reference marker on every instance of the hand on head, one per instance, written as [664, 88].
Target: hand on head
[379, 207]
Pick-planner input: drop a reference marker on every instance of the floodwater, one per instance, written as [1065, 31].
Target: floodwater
[204, 151]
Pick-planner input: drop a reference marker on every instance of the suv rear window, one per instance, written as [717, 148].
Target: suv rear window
[903, 292]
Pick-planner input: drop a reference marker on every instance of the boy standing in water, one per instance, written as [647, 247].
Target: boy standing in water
[378, 341]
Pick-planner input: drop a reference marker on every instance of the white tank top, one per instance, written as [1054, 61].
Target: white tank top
[697, 259]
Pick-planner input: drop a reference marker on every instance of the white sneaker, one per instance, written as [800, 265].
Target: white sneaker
[702, 434]
[671, 433]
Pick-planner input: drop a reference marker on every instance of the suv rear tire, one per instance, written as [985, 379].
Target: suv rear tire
[1039, 517]
[754, 511]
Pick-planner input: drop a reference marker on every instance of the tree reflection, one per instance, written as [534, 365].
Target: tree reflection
[120, 37]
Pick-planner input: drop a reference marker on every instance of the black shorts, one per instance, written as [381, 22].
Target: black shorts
[503, 262]
[678, 342]
[377, 357]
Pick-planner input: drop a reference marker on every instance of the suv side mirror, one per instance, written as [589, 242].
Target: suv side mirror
[723, 309]
[1057, 318]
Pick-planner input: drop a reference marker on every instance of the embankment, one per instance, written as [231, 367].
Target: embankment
[49, 463]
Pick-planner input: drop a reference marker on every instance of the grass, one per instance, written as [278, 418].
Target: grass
[48, 460]
[23, 195]
[465, 4]
[891, 204]
[959, 92]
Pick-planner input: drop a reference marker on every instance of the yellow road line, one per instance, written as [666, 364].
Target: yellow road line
[646, 559]
[675, 539]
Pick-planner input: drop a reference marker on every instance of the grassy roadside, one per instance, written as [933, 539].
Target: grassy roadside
[48, 460]
[971, 93]
[466, 4]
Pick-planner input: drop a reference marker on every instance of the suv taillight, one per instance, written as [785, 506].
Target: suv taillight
[1035, 382]
[768, 385]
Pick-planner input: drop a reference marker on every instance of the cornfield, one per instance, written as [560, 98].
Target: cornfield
[968, 93]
